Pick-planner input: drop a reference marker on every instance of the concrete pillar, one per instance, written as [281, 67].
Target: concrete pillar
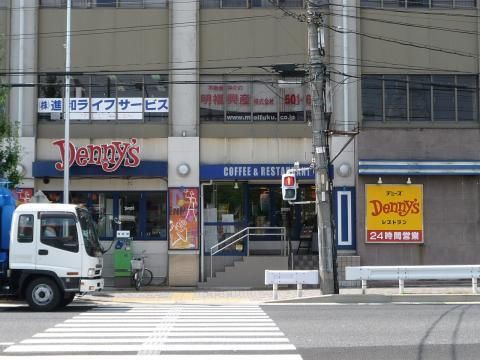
[23, 64]
[184, 143]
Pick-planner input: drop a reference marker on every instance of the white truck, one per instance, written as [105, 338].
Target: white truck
[48, 253]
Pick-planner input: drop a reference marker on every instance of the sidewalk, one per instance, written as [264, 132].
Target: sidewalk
[166, 295]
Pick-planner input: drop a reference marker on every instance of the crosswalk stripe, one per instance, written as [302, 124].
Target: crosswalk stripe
[166, 341]
[173, 330]
[199, 326]
[206, 320]
[176, 332]
[164, 357]
[144, 334]
[147, 346]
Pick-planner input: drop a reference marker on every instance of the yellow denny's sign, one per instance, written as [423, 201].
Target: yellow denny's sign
[394, 214]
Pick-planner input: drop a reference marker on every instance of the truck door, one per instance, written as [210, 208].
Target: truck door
[58, 249]
[22, 246]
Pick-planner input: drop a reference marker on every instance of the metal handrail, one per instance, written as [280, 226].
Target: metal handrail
[284, 249]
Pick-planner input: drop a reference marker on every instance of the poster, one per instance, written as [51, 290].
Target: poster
[183, 218]
[394, 214]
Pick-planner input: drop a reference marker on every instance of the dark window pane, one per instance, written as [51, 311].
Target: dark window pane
[105, 3]
[395, 97]
[129, 211]
[156, 211]
[372, 98]
[420, 98]
[234, 3]
[443, 97]
[212, 4]
[371, 3]
[25, 229]
[393, 3]
[59, 231]
[468, 4]
[156, 86]
[467, 98]
[418, 3]
[442, 3]
[103, 86]
[130, 3]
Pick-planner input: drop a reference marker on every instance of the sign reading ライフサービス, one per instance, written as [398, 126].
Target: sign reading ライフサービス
[394, 214]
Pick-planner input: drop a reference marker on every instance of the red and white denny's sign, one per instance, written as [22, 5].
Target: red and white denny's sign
[109, 156]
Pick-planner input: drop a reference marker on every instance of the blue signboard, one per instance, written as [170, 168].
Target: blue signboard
[145, 168]
[250, 171]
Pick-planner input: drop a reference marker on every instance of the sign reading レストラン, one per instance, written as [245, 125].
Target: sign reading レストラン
[394, 214]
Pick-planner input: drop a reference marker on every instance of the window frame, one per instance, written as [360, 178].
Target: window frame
[58, 241]
[433, 121]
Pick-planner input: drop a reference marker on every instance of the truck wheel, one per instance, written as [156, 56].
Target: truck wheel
[67, 299]
[43, 294]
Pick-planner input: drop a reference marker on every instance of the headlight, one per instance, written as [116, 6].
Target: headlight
[91, 273]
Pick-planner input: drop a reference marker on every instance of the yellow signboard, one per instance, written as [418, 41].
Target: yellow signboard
[394, 213]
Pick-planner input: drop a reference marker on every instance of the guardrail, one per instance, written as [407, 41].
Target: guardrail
[246, 233]
[290, 277]
[420, 272]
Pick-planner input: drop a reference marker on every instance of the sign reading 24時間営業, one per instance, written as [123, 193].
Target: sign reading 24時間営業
[394, 213]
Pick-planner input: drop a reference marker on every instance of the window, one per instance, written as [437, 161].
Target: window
[253, 98]
[25, 229]
[448, 4]
[242, 4]
[133, 97]
[3, 3]
[372, 97]
[134, 4]
[156, 215]
[59, 231]
[144, 213]
[438, 98]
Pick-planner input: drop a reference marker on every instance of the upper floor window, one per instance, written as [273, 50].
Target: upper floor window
[253, 98]
[105, 3]
[243, 4]
[446, 4]
[105, 97]
[413, 98]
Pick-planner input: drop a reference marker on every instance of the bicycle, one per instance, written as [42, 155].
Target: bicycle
[141, 276]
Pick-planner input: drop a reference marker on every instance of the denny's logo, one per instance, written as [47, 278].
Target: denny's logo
[394, 213]
[109, 156]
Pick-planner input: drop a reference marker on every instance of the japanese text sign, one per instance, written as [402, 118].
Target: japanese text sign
[183, 218]
[394, 214]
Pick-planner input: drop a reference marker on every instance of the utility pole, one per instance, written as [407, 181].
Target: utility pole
[320, 149]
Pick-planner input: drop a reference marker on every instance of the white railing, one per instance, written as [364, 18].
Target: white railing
[290, 277]
[421, 272]
[246, 233]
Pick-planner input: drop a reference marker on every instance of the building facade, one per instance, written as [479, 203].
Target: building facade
[185, 114]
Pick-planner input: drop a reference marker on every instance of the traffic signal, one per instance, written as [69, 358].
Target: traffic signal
[289, 187]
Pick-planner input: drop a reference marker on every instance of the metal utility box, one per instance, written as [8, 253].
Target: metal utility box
[121, 259]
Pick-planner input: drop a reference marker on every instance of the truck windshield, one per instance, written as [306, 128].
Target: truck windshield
[90, 236]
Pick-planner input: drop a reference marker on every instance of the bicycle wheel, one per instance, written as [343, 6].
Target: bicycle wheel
[138, 280]
[147, 277]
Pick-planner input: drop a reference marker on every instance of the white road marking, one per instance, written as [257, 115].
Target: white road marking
[174, 332]
[133, 348]
[142, 340]
[164, 357]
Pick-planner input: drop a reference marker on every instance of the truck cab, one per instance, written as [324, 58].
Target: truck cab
[54, 253]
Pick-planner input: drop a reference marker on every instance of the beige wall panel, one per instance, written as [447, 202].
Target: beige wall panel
[255, 37]
[252, 151]
[101, 184]
[183, 269]
[459, 36]
[105, 39]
